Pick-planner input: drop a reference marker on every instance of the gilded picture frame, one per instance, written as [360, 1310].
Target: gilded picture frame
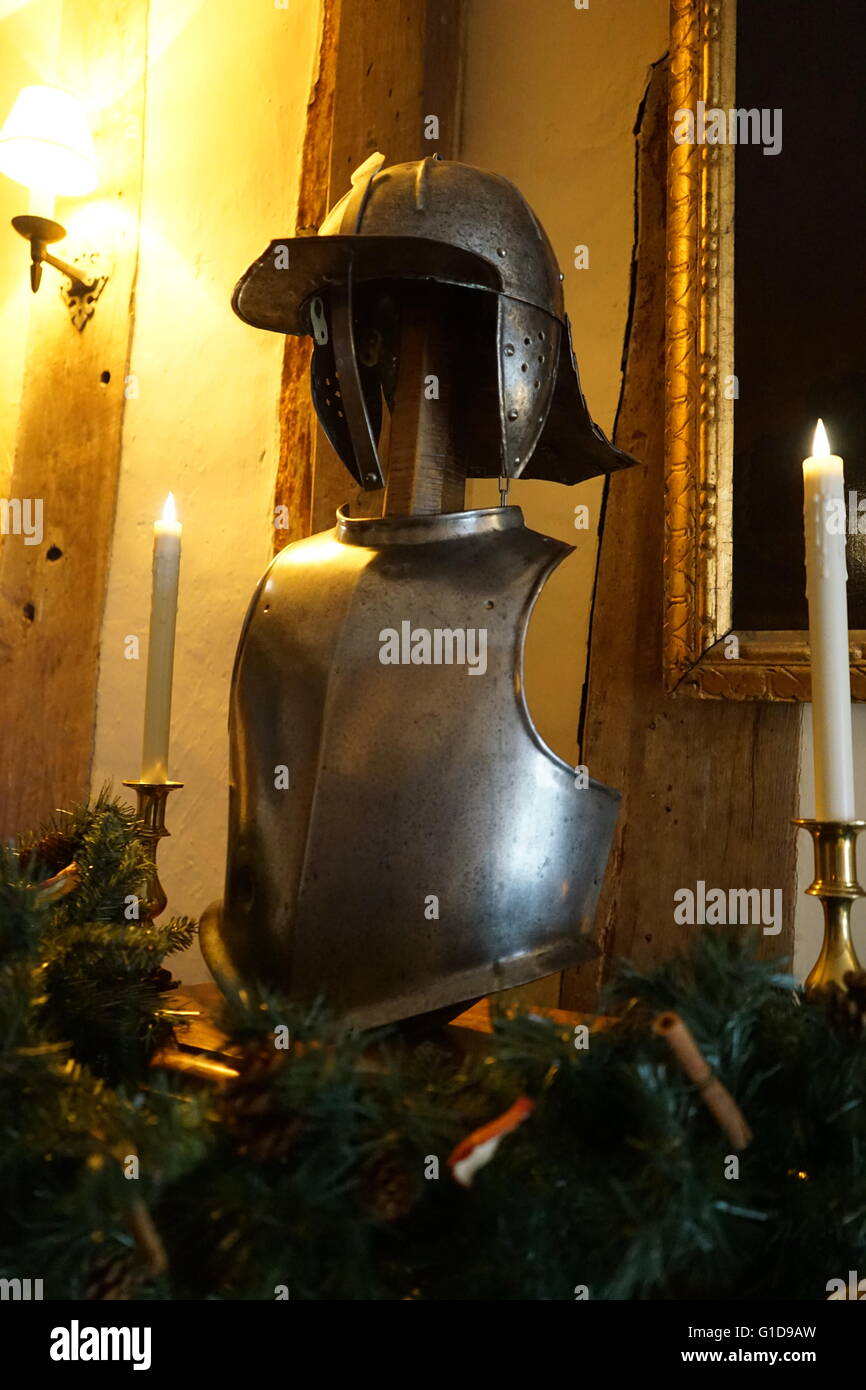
[700, 657]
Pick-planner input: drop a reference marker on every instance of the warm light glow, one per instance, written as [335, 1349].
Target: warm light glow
[821, 444]
[318, 552]
[45, 143]
[169, 511]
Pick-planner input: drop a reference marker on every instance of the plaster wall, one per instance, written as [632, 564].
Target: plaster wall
[227, 89]
[551, 97]
[29, 34]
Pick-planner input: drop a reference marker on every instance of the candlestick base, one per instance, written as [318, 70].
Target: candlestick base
[835, 883]
[152, 797]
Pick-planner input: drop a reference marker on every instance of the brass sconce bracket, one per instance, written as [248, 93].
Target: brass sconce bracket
[85, 284]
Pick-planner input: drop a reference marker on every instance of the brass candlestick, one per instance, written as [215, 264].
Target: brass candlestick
[152, 797]
[836, 885]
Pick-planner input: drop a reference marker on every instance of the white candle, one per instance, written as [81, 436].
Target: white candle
[160, 646]
[826, 590]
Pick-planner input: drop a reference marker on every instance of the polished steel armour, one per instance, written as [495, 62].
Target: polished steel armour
[428, 847]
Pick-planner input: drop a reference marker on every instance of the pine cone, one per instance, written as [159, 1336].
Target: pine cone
[54, 851]
[388, 1190]
[848, 1005]
[162, 980]
[256, 1127]
[114, 1277]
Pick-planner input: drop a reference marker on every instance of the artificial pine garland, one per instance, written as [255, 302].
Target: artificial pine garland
[322, 1172]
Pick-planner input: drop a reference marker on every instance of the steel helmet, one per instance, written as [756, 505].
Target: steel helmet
[443, 221]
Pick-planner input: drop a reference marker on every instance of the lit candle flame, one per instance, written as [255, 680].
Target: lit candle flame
[821, 444]
[169, 511]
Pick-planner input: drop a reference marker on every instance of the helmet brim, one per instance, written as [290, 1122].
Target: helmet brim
[272, 294]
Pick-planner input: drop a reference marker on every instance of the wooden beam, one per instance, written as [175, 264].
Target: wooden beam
[708, 788]
[52, 594]
[385, 65]
[299, 429]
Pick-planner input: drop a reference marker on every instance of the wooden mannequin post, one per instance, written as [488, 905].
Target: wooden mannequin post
[424, 476]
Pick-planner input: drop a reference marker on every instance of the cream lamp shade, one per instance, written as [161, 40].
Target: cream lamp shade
[46, 143]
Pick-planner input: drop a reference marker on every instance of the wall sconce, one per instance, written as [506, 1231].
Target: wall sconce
[46, 145]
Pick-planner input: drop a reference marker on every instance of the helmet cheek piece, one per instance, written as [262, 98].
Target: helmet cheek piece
[528, 352]
[347, 393]
[570, 447]
[355, 330]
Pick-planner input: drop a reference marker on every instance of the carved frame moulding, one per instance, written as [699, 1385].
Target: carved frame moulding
[699, 424]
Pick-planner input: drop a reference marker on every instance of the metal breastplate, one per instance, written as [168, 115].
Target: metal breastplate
[428, 848]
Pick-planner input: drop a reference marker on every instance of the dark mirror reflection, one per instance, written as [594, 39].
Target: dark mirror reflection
[800, 296]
